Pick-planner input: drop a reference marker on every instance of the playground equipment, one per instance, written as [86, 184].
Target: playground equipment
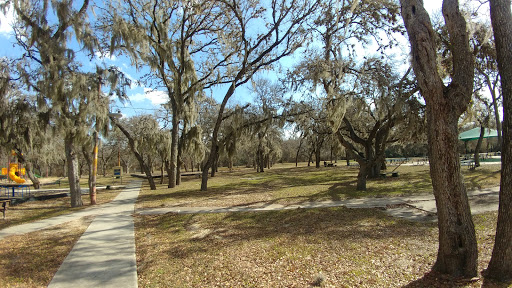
[18, 189]
[14, 173]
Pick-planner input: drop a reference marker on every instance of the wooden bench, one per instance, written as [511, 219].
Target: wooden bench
[56, 182]
[393, 174]
[4, 206]
[470, 163]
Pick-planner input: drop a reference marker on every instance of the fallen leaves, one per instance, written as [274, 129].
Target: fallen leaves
[32, 259]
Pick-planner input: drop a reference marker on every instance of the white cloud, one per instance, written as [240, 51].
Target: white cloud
[102, 56]
[6, 21]
[155, 96]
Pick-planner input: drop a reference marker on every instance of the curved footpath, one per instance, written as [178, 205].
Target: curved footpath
[104, 256]
[414, 208]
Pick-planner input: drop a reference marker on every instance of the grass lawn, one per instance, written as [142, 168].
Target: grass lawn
[287, 184]
[331, 247]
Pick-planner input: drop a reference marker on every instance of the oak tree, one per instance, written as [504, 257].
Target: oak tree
[500, 266]
[457, 253]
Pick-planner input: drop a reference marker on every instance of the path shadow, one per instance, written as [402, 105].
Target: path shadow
[491, 284]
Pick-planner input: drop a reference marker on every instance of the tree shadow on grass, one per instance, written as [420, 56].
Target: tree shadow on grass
[196, 193]
[475, 178]
[491, 284]
[320, 225]
[336, 191]
[244, 186]
[437, 280]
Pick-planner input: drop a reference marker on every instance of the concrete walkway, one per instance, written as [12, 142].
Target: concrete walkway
[57, 220]
[105, 254]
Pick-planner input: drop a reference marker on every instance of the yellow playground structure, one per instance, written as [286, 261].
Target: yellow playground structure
[14, 173]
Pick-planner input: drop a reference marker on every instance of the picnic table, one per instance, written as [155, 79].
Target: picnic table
[329, 164]
[3, 206]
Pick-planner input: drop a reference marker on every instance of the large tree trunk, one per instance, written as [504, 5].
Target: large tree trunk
[370, 164]
[73, 178]
[457, 253]
[318, 152]
[174, 151]
[298, 150]
[162, 173]
[479, 146]
[215, 164]
[500, 266]
[374, 169]
[28, 169]
[261, 160]
[204, 173]
[31, 176]
[149, 175]
[361, 177]
[178, 171]
[167, 167]
[88, 160]
[145, 168]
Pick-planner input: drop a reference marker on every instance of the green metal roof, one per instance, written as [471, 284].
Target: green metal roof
[474, 134]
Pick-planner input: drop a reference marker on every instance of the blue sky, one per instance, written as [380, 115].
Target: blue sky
[143, 99]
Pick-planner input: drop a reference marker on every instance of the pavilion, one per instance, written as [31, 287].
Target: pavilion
[474, 134]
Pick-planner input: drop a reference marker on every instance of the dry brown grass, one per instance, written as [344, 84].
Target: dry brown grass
[42, 209]
[287, 184]
[31, 260]
[335, 247]
[332, 247]
[345, 247]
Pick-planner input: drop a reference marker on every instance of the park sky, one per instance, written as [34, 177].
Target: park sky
[144, 100]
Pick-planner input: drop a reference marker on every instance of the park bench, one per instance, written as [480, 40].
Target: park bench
[393, 174]
[470, 163]
[58, 181]
[329, 164]
[4, 206]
